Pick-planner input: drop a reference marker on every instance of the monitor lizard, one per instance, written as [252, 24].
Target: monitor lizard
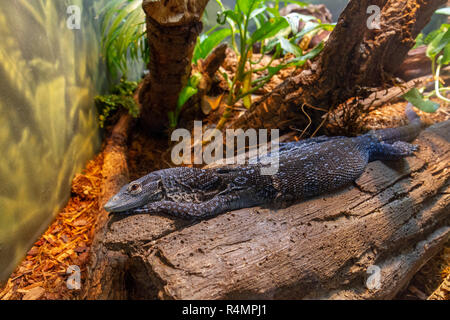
[307, 168]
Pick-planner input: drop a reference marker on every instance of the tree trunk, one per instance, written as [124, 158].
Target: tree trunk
[355, 60]
[395, 218]
[172, 30]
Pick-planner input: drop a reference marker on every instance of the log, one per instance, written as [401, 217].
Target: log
[395, 218]
[346, 118]
[105, 276]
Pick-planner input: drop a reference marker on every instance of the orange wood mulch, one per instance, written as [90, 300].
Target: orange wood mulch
[42, 273]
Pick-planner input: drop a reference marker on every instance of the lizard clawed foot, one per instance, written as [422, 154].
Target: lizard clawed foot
[405, 148]
[395, 151]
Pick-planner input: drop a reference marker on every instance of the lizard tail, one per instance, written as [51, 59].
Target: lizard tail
[406, 133]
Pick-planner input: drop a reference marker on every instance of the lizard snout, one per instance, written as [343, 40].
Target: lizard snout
[111, 204]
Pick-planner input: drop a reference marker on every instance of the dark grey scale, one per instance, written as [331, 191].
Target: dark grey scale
[318, 170]
[195, 185]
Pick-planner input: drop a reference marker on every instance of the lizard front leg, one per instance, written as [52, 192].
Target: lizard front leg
[212, 207]
[395, 151]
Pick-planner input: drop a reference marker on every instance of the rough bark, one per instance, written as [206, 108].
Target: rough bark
[106, 270]
[394, 217]
[355, 60]
[172, 30]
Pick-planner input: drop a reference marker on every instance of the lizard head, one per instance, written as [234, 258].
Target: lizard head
[136, 194]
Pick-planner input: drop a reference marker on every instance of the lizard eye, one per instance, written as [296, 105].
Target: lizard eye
[135, 188]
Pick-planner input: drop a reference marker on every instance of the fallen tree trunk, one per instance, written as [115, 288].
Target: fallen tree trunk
[105, 278]
[355, 60]
[395, 218]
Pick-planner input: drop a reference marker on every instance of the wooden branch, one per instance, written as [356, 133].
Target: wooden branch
[106, 268]
[395, 217]
[192, 110]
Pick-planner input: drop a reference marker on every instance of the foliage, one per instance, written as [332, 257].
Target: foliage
[123, 40]
[208, 41]
[188, 91]
[438, 50]
[275, 34]
[121, 97]
[123, 35]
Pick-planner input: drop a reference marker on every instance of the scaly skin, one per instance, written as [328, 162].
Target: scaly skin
[306, 169]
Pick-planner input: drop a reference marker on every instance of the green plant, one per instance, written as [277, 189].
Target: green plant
[123, 30]
[123, 35]
[438, 50]
[205, 44]
[121, 97]
[272, 32]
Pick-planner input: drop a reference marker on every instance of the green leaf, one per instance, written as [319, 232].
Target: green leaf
[207, 44]
[123, 35]
[257, 12]
[443, 11]
[269, 30]
[298, 61]
[294, 22]
[121, 98]
[446, 55]
[314, 27]
[286, 45]
[246, 6]
[273, 12]
[186, 94]
[419, 40]
[438, 44]
[229, 14]
[430, 37]
[309, 56]
[417, 100]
